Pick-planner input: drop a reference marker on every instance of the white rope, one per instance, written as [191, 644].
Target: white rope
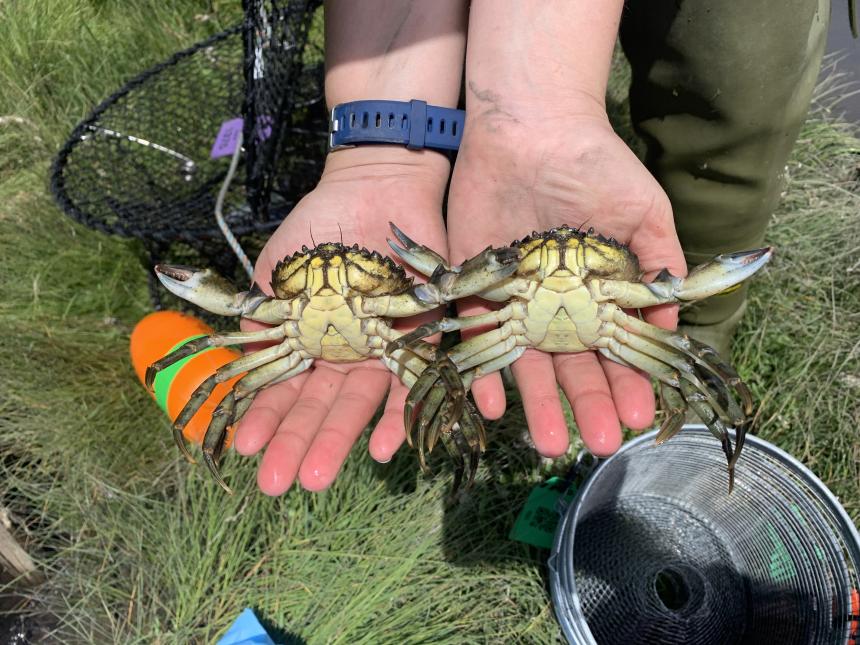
[219, 215]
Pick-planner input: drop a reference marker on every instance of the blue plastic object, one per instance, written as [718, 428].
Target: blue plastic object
[413, 124]
[246, 630]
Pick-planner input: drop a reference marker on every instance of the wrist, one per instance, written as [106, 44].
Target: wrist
[534, 135]
[421, 169]
[550, 114]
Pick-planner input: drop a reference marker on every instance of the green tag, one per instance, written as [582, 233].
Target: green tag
[163, 380]
[536, 523]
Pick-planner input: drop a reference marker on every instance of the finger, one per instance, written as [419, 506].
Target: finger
[294, 435]
[536, 381]
[488, 391]
[584, 383]
[665, 316]
[656, 245]
[264, 416]
[360, 395]
[655, 242]
[632, 394]
[389, 434]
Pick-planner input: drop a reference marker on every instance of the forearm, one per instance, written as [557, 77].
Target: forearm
[553, 52]
[394, 50]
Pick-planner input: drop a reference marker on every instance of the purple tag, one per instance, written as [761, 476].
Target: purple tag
[228, 136]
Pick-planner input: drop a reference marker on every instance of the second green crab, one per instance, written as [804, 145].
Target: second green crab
[567, 294]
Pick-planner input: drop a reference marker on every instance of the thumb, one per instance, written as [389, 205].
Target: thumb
[656, 244]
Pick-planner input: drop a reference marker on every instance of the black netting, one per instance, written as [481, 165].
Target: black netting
[286, 121]
[139, 166]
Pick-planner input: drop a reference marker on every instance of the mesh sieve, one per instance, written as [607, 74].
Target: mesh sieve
[654, 550]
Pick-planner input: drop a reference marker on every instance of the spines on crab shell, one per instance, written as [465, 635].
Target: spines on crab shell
[563, 232]
[383, 273]
[585, 252]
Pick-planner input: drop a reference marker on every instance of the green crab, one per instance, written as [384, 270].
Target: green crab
[332, 302]
[568, 294]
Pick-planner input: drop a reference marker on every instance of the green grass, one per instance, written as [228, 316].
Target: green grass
[140, 548]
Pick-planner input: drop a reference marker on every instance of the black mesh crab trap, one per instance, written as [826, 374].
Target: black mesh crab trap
[653, 549]
[149, 161]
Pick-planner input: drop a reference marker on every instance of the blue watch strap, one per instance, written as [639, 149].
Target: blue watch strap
[413, 124]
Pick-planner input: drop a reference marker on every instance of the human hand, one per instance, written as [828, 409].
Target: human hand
[519, 172]
[309, 423]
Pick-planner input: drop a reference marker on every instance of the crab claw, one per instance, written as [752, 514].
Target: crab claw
[448, 282]
[206, 289]
[483, 271]
[418, 256]
[723, 272]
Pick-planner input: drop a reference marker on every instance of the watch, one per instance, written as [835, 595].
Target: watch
[411, 123]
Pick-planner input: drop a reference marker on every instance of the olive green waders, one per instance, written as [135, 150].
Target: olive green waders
[720, 89]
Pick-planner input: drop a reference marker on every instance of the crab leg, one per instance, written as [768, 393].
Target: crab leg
[431, 404]
[660, 363]
[421, 375]
[722, 273]
[686, 367]
[451, 324]
[444, 373]
[491, 345]
[675, 406]
[249, 391]
[454, 449]
[458, 446]
[502, 348]
[701, 353]
[452, 426]
[241, 395]
[494, 365]
[695, 395]
[405, 365]
[223, 373]
[214, 340]
[719, 430]
[456, 388]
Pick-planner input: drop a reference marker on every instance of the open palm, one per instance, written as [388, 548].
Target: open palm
[309, 423]
[509, 181]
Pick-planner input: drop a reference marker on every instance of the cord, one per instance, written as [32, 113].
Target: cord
[219, 215]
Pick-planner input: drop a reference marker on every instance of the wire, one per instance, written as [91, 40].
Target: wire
[219, 215]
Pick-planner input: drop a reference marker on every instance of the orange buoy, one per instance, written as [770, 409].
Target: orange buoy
[160, 333]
